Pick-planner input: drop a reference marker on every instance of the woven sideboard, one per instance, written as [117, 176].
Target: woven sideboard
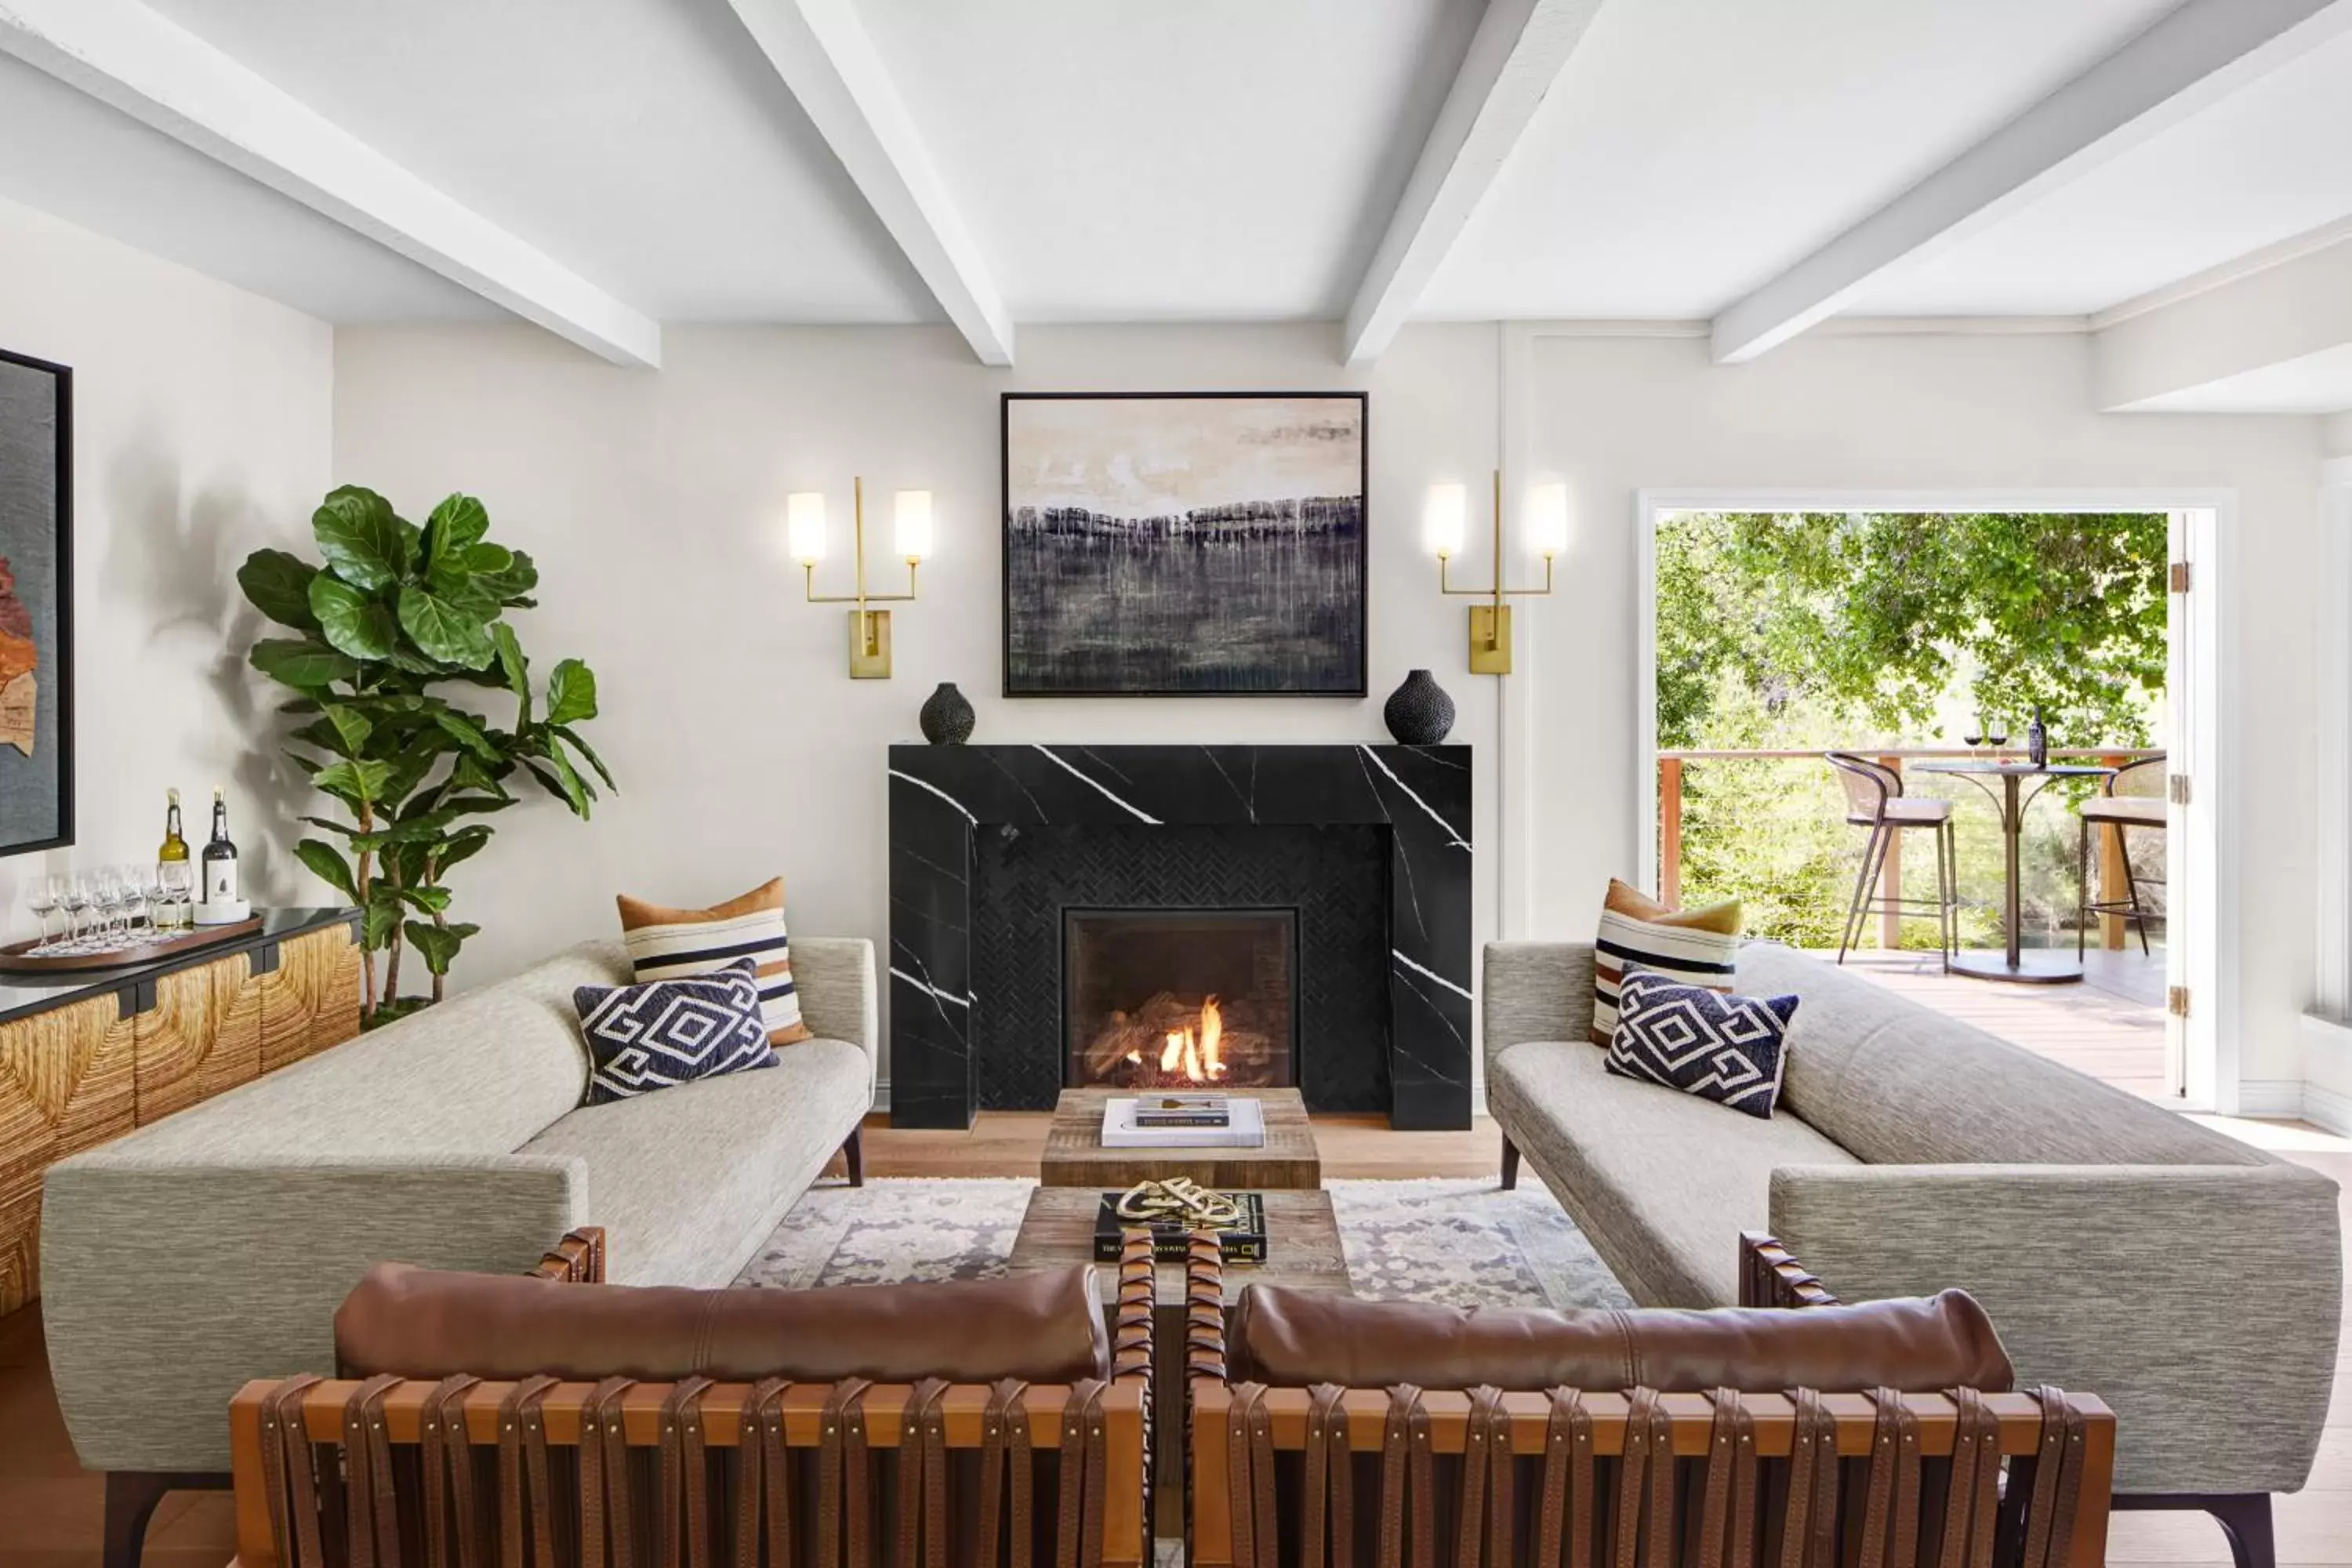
[93, 1067]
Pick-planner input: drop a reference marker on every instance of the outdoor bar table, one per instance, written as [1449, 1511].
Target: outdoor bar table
[2040, 966]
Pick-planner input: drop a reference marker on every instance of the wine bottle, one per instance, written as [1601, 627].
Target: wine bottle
[2037, 741]
[220, 856]
[174, 852]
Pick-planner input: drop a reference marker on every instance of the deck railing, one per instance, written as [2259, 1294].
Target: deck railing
[1671, 764]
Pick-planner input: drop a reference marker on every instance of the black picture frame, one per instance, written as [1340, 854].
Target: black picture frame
[1358, 682]
[60, 612]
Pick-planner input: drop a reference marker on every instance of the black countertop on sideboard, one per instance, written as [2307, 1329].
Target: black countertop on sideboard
[22, 995]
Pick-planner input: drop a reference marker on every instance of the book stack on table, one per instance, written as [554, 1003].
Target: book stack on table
[1182, 1122]
[1243, 1242]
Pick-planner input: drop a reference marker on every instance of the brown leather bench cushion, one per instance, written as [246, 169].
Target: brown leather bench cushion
[1295, 1339]
[431, 1323]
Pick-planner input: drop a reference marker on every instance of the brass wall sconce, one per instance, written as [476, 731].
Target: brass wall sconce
[869, 629]
[1442, 528]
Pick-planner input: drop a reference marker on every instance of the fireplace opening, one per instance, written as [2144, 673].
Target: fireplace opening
[1161, 998]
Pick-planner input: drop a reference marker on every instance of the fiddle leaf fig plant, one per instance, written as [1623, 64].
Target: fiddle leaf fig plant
[398, 625]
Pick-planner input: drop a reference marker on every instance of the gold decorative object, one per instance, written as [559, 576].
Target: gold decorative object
[1178, 1200]
[1444, 524]
[869, 629]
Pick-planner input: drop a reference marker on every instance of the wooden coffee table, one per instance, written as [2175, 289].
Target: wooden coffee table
[1302, 1251]
[1074, 1156]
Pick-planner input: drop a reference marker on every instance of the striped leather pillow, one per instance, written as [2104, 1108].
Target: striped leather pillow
[1697, 947]
[666, 944]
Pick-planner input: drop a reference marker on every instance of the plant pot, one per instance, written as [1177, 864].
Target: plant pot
[1419, 712]
[946, 717]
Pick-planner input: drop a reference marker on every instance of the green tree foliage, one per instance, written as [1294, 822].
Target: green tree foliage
[398, 615]
[1871, 617]
[1812, 631]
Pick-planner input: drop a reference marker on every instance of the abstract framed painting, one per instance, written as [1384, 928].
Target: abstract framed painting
[35, 603]
[1184, 545]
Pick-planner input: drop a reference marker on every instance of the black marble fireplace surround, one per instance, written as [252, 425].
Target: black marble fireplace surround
[1369, 843]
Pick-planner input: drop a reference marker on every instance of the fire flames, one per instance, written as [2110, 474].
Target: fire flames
[1199, 1057]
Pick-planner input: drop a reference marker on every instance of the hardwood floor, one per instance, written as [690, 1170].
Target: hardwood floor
[50, 1508]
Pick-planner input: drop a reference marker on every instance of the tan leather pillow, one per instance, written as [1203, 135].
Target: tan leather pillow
[1697, 947]
[431, 1323]
[670, 944]
[1295, 1339]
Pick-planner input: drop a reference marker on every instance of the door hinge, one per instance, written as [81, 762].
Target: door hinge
[2180, 576]
[2176, 788]
[2176, 1001]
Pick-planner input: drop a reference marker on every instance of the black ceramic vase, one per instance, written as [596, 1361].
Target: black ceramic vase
[946, 717]
[1419, 714]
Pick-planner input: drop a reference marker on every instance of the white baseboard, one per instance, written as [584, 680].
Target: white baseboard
[2325, 1108]
[2276, 1096]
[2326, 1041]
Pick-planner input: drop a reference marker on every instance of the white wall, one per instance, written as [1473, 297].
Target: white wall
[1858, 411]
[202, 424]
[653, 504]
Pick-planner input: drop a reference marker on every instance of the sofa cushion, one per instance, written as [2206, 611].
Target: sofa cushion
[431, 1323]
[482, 1073]
[1697, 947]
[663, 1033]
[1726, 1049]
[1899, 1084]
[1662, 1183]
[1295, 1339]
[669, 945]
[688, 1181]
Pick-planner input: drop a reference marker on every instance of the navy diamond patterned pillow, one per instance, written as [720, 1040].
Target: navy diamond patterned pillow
[661, 1033]
[1730, 1050]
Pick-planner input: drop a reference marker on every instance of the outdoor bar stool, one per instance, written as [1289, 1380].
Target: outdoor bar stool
[1875, 799]
[2119, 812]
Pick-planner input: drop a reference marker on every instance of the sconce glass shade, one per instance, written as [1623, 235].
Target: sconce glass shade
[804, 526]
[1444, 520]
[1547, 519]
[914, 524]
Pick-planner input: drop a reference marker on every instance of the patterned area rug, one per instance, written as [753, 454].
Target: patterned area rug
[1462, 1242]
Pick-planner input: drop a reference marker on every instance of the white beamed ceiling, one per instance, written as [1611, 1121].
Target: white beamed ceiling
[1218, 160]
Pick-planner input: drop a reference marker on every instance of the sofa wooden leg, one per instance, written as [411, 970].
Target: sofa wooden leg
[853, 1152]
[2244, 1518]
[1510, 1164]
[131, 1499]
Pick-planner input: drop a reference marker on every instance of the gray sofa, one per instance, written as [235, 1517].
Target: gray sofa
[2190, 1281]
[213, 1246]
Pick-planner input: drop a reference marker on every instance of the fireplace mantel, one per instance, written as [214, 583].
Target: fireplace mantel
[943, 798]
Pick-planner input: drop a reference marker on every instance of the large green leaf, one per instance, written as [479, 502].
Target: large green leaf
[379, 922]
[487, 559]
[561, 781]
[443, 631]
[517, 668]
[305, 664]
[570, 692]
[455, 525]
[352, 621]
[432, 901]
[468, 732]
[588, 753]
[279, 584]
[366, 546]
[327, 863]
[342, 730]
[354, 780]
[463, 845]
[518, 578]
[438, 945]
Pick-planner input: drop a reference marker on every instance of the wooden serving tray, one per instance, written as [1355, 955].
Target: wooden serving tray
[17, 958]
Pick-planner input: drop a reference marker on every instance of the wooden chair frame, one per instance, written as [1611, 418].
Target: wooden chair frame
[1116, 1519]
[2024, 1426]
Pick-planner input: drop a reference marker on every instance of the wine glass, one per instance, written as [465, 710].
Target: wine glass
[1996, 732]
[79, 897]
[1974, 737]
[106, 893]
[45, 895]
[178, 881]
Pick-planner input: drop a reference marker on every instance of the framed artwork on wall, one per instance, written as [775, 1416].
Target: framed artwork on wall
[35, 603]
[1184, 545]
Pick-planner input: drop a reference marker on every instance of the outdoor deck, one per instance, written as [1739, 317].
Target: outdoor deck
[2111, 1025]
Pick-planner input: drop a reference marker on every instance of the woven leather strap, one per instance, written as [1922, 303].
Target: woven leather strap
[604, 1478]
[1486, 1510]
[1890, 1515]
[1408, 1483]
[1972, 1500]
[1249, 1432]
[448, 1464]
[1564, 1522]
[1084, 1466]
[372, 1508]
[1808, 1532]
[683, 1538]
[923, 1479]
[1005, 1446]
[841, 1477]
[1328, 1523]
[289, 1470]
[1726, 1532]
[524, 1500]
[1646, 1485]
[2057, 1480]
[762, 1478]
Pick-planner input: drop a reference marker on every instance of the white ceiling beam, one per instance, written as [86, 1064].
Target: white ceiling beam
[126, 56]
[2187, 352]
[822, 51]
[2188, 59]
[1517, 52]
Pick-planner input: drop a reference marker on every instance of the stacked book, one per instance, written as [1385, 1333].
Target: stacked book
[1243, 1242]
[1182, 1122]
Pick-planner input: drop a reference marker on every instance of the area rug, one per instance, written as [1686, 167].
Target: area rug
[1463, 1242]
